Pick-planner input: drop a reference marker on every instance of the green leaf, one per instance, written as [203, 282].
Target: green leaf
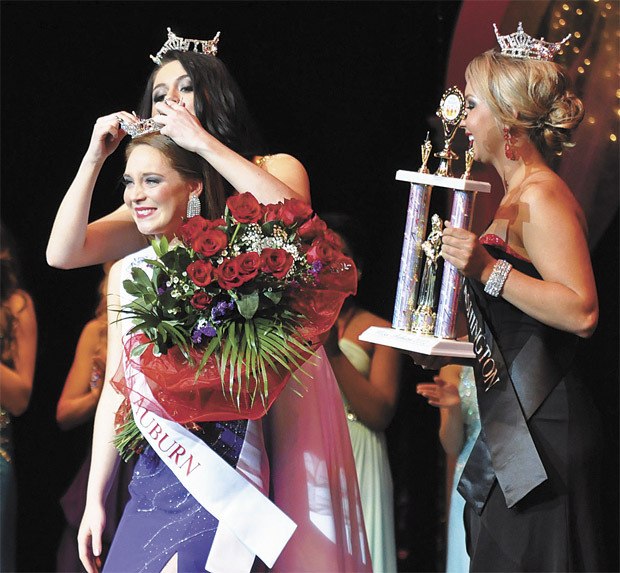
[140, 277]
[247, 304]
[131, 288]
[274, 296]
[160, 246]
[137, 351]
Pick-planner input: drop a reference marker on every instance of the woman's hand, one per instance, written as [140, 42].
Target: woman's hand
[440, 394]
[107, 135]
[180, 125]
[462, 249]
[89, 538]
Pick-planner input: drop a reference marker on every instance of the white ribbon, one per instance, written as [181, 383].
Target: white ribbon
[250, 524]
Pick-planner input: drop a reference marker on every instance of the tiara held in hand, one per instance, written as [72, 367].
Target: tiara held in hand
[522, 45]
[139, 128]
[174, 42]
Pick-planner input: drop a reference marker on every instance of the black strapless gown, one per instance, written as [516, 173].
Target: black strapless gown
[551, 524]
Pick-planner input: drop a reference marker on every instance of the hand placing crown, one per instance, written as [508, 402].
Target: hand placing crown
[522, 45]
[174, 42]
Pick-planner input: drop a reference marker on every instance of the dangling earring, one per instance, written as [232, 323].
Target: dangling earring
[509, 146]
[193, 206]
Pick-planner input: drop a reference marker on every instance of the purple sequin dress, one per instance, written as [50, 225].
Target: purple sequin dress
[162, 518]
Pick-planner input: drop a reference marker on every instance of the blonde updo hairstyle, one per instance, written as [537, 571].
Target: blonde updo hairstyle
[528, 96]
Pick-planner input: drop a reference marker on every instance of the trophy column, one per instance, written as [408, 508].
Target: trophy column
[411, 257]
[462, 210]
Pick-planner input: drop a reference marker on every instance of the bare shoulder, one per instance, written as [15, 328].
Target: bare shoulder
[279, 161]
[548, 195]
[290, 171]
[547, 189]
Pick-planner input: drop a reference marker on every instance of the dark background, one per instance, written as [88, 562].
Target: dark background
[349, 88]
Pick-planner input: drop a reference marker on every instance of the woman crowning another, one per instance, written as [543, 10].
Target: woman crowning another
[193, 157]
[198, 103]
[531, 482]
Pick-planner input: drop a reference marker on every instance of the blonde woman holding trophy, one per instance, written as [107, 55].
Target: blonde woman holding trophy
[531, 482]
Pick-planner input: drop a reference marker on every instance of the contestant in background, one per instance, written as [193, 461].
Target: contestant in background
[454, 393]
[18, 350]
[368, 375]
[193, 95]
[531, 482]
[76, 407]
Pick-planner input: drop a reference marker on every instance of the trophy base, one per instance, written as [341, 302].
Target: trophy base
[421, 343]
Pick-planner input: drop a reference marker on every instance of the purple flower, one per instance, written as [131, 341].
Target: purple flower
[205, 330]
[210, 331]
[316, 267]
[220, 310]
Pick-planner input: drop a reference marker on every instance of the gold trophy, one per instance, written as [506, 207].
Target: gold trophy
[417, 325]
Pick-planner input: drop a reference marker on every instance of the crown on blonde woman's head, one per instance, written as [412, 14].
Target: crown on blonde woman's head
[522, 45]
[175, 42]
[141, 127]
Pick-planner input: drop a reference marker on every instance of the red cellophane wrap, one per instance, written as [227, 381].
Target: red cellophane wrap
[320, 304]
[184, 398]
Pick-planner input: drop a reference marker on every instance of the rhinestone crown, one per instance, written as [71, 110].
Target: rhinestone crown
[175, 42]
[140, 128]
[522, 45]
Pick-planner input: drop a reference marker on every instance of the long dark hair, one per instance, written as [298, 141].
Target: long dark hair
[220, 107]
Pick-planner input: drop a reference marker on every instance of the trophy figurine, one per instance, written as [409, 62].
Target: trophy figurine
[417, 326]
[424, 316]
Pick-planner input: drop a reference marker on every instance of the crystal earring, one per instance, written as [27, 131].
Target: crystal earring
[509, 149]
[193, 206]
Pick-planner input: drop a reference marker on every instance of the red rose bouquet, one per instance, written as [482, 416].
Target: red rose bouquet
[234, 306]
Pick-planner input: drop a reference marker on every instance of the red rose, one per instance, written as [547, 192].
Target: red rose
[272, 212]
[333, 239]
[228, 274]
[245, 208]
[201, 272]
[294, 211]
[210, 242]
[215, 223]
[312, 228]
[320, 250]
[248, 266]
[276, 262]
[192, 228]
[200, 300]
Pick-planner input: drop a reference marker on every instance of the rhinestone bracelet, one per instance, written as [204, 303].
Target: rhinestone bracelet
[498, 277]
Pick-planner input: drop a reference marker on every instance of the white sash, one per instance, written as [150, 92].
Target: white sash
[250, 524]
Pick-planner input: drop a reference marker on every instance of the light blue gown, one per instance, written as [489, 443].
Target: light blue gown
[457, 559]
